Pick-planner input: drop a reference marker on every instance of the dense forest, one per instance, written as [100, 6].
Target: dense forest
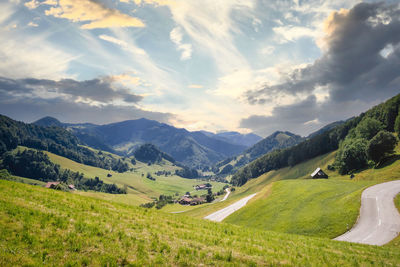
[379, 122]
[53, 139]
[37, 165]
[149, 153]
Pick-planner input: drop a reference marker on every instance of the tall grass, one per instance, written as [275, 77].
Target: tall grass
[40, 226]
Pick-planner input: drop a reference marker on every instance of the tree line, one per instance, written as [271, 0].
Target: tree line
[55, 140]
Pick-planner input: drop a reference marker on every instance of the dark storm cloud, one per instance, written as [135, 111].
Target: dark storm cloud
[352, 66]
[360, 67]
[101, 90]
[30, 99]
[31, 109]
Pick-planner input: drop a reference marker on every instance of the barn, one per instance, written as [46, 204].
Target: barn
[318, 174]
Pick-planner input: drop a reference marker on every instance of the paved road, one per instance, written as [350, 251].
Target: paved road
[218, 216]
[379, 220]
[226, 195]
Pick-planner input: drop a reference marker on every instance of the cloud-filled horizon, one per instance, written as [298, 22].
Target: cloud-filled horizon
[249, 66]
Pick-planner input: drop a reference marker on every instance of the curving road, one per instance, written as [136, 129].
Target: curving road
[379, 220]
[218, 216]
[226, 195]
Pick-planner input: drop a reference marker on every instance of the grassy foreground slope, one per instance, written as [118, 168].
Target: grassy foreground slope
[300, 171]
[39, 226]
[288, 201]
[324, 208]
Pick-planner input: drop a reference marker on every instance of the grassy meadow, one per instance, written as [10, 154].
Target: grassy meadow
[289, 201]
[325, 208]
[40, 226]
[138, 185]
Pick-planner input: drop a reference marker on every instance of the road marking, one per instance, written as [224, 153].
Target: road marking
[368, 236]
[380, 222]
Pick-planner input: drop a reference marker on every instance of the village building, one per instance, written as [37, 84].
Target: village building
[52, 185]
[71, 187]
[203, 186]
[318, 174]
[197, 201]
[191, 201]
[185, 201]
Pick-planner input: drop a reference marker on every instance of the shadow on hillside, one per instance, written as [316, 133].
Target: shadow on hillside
[388, 161]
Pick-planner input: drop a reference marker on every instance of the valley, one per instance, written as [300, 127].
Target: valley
[269, 199]
[199, 133]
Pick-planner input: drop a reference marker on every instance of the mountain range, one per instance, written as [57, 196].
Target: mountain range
[197, 149]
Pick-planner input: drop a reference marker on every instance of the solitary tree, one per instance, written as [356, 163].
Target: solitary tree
[381, 146]
[351, 155]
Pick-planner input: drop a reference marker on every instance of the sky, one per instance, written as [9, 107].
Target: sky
[241, 65]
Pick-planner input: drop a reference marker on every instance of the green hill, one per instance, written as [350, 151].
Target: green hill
[277, 140]
[324, 208]
[289, 201]
[139, 188]
[358, 130]
[39, 226]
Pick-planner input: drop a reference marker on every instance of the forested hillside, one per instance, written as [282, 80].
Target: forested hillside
[53, 139]
[277, 140]
[357, 132]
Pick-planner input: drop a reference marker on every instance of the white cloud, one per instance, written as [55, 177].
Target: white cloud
[123, 44]
[196, 86]
[176, 37]
[32, 4]
[93, 14]
[33, 24]
[267, 50]
[292, 33]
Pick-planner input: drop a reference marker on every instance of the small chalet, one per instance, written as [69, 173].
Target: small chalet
[318, 174]
[197, 201]
[192, 201]
[71, 187]
[185, 201]
[202, 187]
[52, 185]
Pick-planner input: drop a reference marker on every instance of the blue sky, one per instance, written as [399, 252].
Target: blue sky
[213, 65]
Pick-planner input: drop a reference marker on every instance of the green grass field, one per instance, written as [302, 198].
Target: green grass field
[41, 226]
[325, 208]
[300, 171]
[138, 185]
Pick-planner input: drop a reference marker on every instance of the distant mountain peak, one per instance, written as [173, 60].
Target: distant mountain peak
[48, 121]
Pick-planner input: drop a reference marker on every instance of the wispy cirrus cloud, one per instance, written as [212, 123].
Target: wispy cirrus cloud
[176, 37]
[28, 55]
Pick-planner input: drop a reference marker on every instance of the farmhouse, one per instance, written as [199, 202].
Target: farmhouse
[197, 201]
[71, 187]
[52, 184]
[191, 201]
[318, 173]
[185, 200]
[203, 186]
